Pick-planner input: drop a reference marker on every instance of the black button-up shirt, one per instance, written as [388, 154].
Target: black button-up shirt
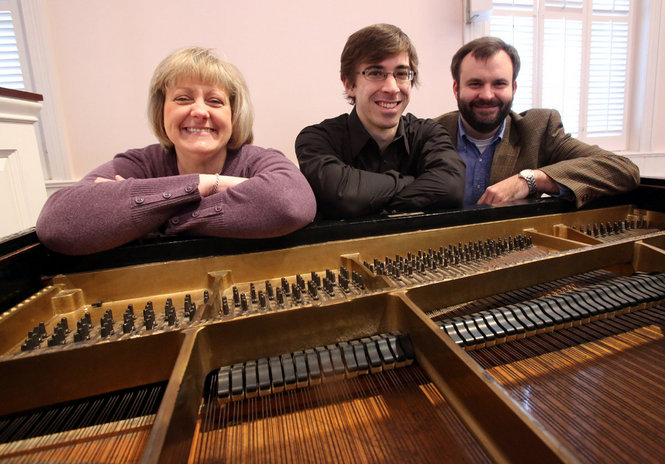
[351, 177]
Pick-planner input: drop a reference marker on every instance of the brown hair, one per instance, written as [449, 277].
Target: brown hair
[373, 44]
[201, 64]
[482, 49]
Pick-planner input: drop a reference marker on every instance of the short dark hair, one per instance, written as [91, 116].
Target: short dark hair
[373, 44]
[482, 49]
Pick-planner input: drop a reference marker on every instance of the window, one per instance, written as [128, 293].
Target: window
[575, 59]
[11, 75]
[25, 62]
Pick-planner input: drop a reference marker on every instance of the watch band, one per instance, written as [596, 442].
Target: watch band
[530, 178]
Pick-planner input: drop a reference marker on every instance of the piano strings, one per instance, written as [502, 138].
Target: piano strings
[107, 428]
[393, 416]
[597, 386]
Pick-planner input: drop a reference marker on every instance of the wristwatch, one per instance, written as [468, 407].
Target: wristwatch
[530, 178]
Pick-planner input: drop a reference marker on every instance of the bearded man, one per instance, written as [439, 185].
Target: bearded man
[511, 156]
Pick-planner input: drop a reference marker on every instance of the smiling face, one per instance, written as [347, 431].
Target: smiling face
[197, 120]
[485, 93]
[380, 104]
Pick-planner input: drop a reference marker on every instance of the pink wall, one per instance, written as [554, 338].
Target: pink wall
[658, 130]
[289, 51]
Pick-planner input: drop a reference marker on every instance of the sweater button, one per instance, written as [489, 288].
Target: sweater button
[196, 214]
[189, 188]
[218, 208]
[139, 200]
[175, 221]
[167, 194]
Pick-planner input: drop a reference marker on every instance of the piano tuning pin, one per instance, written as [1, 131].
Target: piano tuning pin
[225, 306]
[206, 296]
[41, 329]
[269, 290]
[171, 318]
[192, 311]
[236, 296]
[312, 289]
[317, 280]
[243, 303]
[296, 292]
[262, 300]
[252, 293]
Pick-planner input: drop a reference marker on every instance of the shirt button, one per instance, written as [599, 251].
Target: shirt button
[189, 188]
[196, 214]
[167, 194]
[139, 200]
[175, 221]
[218, 208]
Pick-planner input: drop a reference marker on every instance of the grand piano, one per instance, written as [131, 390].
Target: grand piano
[513, 334]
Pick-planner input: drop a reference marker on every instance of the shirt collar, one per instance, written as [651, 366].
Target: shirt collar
[360, 137]
[463, 137]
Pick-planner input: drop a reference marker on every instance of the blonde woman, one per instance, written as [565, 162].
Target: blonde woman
[203, 178]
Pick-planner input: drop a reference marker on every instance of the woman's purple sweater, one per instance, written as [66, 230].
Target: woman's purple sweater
[88, 217]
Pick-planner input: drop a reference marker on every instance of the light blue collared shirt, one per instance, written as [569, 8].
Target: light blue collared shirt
[478, 165]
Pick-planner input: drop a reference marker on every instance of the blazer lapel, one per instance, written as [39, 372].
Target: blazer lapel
[506, 153]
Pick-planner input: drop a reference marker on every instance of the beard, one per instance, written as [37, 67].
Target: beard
[484, 126]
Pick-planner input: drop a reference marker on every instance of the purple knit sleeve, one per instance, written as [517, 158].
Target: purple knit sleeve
[275, 200]
[88, 217]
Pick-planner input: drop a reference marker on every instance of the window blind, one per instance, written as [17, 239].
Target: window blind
[11, 75]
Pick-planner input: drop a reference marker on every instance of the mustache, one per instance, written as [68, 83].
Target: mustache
[492, 102]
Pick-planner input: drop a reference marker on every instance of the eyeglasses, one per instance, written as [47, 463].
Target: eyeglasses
[374, 74]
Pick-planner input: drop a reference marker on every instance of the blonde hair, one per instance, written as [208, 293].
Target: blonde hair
[201, 64]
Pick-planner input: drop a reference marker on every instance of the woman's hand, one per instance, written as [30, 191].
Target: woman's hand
[214, 183]
[104, 179]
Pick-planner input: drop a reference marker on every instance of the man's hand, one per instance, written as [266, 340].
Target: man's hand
[512, 188]
[516, 188]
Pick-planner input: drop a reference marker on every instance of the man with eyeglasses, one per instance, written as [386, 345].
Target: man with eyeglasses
[512, 156]
[375, 159]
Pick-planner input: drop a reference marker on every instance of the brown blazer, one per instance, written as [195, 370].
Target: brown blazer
[535, 139]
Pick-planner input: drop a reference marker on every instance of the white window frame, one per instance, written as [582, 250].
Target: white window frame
[38, 72]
